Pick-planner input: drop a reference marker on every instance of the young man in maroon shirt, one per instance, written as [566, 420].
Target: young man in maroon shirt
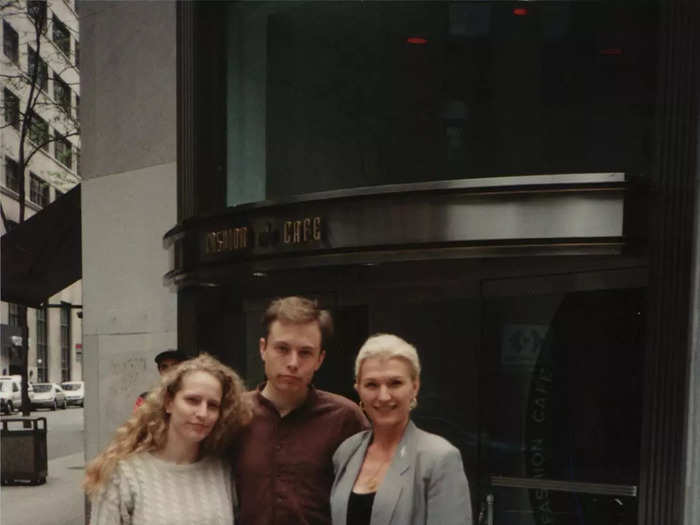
[282, 460]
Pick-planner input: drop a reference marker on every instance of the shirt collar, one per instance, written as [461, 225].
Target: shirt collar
[308, 401]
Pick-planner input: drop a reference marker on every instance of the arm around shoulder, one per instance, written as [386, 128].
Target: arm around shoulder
[448, 499]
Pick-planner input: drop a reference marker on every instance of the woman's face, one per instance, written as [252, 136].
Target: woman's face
[195, 408]
[386, 389]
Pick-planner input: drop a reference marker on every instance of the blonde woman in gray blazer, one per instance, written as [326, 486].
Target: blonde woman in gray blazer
[395, 474]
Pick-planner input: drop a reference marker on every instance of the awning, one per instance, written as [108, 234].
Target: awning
[42, 256]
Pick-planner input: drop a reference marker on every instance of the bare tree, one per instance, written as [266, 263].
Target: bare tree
[31, 114]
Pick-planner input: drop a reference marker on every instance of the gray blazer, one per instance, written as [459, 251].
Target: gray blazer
[425, 483]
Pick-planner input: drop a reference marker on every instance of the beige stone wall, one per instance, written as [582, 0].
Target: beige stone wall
[128, 203]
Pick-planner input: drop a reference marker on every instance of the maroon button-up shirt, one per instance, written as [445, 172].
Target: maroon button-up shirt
[283, 465]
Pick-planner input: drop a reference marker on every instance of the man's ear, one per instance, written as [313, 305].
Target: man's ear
[262, 344]
[321, 357]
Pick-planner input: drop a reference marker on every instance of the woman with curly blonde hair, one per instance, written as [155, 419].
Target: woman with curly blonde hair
[164, 464]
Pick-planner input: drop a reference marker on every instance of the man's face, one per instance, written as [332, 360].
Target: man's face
[292, 353]
[167, 364]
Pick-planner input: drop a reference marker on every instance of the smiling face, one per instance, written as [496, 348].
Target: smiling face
[386, 389]
[195, 408]
[292, 353]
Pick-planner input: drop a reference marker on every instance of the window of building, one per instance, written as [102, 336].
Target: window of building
[42, 75]
[77, 107]
[37, 11]
[41, 345]
[77, 161]
[64, 151]
[38, 191]
[11, 106]
[61, 93]
[11, 175]
[61, 35]
[10, 42]
[39, 132]
[65, 341]
[77, 53]
[432, 91]
[15, 315]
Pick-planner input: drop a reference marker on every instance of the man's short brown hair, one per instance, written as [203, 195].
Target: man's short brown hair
[298, 310]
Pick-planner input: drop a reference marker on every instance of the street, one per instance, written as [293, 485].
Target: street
[40, 505]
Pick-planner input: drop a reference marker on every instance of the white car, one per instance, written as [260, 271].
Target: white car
[10, 395]
[75, 392]
[48, 395]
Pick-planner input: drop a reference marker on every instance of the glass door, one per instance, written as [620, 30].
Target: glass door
[560, 377]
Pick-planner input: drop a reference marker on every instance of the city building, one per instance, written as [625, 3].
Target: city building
[511, 186]
[54, 325]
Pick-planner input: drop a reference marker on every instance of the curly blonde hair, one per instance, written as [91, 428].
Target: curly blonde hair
[147, 429]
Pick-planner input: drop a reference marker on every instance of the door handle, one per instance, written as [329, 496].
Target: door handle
[486, 513]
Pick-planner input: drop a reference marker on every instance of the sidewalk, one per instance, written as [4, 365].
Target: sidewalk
[60, 501]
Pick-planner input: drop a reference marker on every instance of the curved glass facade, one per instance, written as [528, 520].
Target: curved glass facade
[334, 95]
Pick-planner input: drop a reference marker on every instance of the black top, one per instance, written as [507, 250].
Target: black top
[360, 508]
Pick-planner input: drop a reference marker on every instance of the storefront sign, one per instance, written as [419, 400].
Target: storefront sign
[572, 214]
[292, 232]
[228, 240]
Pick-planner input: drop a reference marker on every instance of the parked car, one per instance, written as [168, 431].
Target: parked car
[48, 395]
[10, 395]
[75, 392]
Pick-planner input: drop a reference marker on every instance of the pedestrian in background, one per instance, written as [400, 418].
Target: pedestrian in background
[396, 474]
[165, 361]
[164, 465]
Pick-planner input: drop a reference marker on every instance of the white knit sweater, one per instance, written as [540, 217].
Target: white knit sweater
[145, 490]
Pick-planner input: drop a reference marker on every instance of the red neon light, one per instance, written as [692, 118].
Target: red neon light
[611, 51]
[520, 11]
[417, 40]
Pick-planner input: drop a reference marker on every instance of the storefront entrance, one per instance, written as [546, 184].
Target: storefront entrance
[532, 367]
[561, 399]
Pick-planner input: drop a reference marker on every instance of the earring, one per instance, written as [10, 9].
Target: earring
[413, 404]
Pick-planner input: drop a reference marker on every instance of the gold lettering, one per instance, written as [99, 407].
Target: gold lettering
[307, 229]
[317, 228]
[227, 240]
[210, 247]
[287, 237]
[297, 232]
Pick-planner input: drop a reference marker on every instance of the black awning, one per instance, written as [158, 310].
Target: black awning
[42, 256]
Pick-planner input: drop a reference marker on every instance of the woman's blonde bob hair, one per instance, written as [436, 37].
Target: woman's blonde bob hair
[147, 429]
[388, 346]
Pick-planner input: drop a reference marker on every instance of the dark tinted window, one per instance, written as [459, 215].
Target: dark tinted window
[61, 35]
[11, 107]
[11, 174]
[332, 95]
[34, 62]
[10, 42]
